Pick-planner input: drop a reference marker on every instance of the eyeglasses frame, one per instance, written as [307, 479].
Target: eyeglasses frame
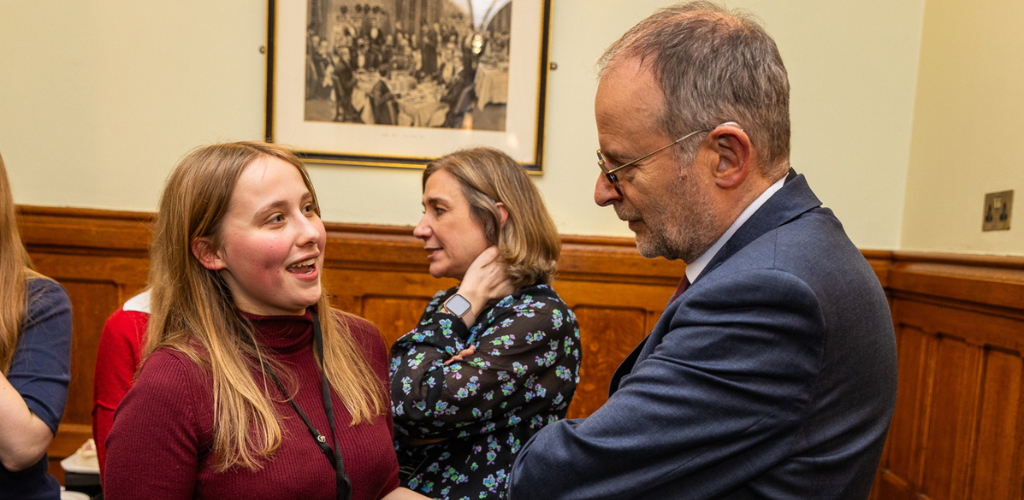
[614, 179]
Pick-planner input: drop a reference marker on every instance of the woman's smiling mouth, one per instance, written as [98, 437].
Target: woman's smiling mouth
[304, 267]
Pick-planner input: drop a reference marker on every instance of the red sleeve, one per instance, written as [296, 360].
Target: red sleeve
[155, 441]
[117, 359]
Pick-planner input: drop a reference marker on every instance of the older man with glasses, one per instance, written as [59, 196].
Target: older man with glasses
[772, 372]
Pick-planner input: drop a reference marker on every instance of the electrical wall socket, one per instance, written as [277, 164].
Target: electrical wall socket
[996, 216]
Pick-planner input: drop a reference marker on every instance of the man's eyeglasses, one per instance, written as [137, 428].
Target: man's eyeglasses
[614, 179]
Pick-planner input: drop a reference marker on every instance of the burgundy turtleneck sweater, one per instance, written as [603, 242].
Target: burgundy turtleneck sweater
[160, 442]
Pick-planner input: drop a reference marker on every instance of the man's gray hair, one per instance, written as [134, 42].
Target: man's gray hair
[714, 66]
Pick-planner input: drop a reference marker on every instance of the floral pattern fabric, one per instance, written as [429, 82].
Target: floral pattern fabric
[521, 377]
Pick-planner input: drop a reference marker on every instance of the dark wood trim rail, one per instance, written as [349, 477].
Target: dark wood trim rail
[958, 431]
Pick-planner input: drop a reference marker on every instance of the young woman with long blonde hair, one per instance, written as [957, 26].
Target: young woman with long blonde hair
[35, 362]
[251, 383]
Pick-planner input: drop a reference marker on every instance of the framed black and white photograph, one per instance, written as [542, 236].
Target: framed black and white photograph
[396, 83]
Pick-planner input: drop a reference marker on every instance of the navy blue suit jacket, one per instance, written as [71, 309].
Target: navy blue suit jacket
[772, 376]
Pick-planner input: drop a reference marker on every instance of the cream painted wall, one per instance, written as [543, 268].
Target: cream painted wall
[98, 100]
[97, 104]
[968, 125]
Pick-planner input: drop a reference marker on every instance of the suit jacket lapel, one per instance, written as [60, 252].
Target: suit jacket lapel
[626, 366]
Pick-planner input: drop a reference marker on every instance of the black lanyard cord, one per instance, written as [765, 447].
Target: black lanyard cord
[344, 484]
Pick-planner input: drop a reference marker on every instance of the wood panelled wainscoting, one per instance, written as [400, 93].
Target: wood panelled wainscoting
[958, 427]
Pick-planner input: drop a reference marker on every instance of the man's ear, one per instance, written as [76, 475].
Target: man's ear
[203, 249]
[503, 211]
[731, 146]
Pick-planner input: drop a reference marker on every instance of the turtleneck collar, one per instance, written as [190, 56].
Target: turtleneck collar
[284, 334]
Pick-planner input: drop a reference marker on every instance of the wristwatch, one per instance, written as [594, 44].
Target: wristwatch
[458, 305]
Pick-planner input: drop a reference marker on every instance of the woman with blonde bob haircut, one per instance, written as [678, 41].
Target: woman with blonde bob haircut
[495, 358]
[251, 383]
[35, 362]
[497, 188]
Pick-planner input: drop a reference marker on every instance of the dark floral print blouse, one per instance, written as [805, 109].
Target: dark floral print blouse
[521, 377]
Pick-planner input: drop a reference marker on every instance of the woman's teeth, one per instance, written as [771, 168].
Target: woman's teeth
[304, 267]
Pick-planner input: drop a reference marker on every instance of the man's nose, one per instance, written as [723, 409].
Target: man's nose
[605, 192]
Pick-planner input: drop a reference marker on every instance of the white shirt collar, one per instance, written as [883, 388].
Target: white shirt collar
[694, 268]
[138, 303]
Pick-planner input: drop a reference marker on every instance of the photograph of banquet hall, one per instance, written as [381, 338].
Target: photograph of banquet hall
[411, 63]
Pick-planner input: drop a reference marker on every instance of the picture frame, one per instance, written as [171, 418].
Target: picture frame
[407, 81]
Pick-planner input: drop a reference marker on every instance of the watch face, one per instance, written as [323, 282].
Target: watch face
[458, 305]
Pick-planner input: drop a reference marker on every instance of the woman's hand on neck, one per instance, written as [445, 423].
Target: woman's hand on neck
[484, 283]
